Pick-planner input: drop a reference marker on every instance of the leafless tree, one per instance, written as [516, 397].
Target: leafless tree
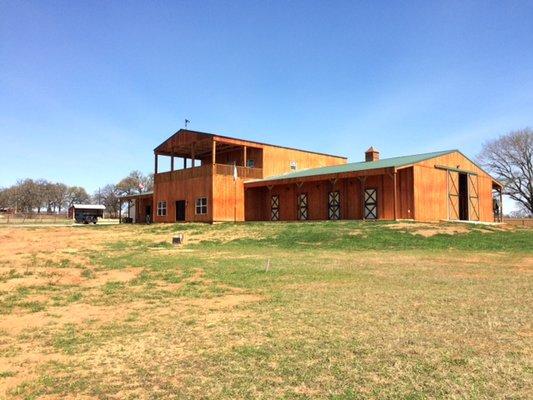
[135, 182]
[59, 196]
[26, 195]
[510, 158]
[76, 195]
[109, 197]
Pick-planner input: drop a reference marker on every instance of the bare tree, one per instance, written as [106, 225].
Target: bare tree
[135, 182]
[510, 158]
[27, 196]
[76, 195]
[109, 197]
[59, 196]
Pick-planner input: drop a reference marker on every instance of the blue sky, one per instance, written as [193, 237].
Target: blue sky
[88, 89]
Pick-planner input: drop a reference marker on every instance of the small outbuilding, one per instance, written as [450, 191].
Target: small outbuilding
[86, 213]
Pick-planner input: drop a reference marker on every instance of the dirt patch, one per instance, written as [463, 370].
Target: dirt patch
[428, 230]
[114, 275]
[76, 313]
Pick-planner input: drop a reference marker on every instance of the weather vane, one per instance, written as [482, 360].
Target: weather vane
[187, 122]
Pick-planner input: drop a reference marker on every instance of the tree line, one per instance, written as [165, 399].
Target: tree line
[42, 196]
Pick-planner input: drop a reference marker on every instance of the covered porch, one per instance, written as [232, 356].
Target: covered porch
[207, 154]
[138, 208]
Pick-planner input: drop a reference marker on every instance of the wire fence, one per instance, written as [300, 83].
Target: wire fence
[35, 218]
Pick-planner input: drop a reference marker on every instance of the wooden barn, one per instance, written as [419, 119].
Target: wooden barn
[228, 179]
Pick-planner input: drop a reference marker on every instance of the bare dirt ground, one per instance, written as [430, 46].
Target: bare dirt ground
[117, 312]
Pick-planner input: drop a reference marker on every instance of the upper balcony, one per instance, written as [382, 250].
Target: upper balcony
[207, 155]
[208, 170]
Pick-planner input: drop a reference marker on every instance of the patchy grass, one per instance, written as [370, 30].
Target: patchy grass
[345, 310]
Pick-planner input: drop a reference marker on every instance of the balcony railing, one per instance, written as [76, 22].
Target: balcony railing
[242, 172]
[207, 170]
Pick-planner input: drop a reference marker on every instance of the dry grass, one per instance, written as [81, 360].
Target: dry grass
[116, 312]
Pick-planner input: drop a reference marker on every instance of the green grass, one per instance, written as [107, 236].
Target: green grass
[346, 310]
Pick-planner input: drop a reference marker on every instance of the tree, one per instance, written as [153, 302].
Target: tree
[76, 195]
[510, 158]
[135, 183]
[26, 196]
[109, 197]
[59, 196]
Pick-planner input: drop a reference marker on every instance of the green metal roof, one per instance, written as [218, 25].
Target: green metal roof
[360, 166]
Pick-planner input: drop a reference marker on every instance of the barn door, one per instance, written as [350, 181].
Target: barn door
[473, 198]
[302, 206]
[334, 205]
[274, 208]
[371, 204]
[453, 195]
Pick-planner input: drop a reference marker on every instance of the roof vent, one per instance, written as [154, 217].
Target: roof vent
[371, 154]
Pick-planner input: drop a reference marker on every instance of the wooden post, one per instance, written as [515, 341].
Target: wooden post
[184, 162]
[395, 192]
[500, 217]
[172, 163]
[362, 179]
[244, 156]
[155, 163]
[120, 211]
[214, 153]
[192, 155]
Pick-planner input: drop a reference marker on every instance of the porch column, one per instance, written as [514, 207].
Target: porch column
[214, 153]
[244, 156]
[500, 217]
[172, 163]
[192, 155]
[362, 180]
[184, 162]
[395, 193]
[155, 163]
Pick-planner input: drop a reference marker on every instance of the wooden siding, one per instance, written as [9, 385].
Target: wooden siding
[257, 199]
[431, 199]
[228, 199]
[188, 189]
[277, 160]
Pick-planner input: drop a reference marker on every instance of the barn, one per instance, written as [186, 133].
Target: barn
[223, 178]
[435, 186]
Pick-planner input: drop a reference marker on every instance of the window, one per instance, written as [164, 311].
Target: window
[161, 208]
[274, 208]
[201, 205]
[334, 205]
[302, 206]
[250, 163]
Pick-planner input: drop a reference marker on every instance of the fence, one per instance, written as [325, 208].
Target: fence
[34, 218]
[524, 222]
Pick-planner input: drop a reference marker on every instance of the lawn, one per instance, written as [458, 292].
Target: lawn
[336, 310]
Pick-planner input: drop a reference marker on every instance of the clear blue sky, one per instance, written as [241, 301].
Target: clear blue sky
[88, 89]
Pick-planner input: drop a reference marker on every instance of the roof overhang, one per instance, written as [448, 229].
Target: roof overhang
[137, 196]
[88, 206]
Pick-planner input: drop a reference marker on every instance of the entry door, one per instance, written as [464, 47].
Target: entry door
[148, 213]
[302, 207]
[473, 198]
[180, 210]
[334, 205]
[453, 195]
[371, 203]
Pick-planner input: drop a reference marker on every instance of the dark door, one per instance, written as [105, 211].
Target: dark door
[180, 210]
[148, 213]
[463, 197]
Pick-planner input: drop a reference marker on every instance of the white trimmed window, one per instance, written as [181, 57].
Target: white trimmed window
[161, 208]
[201, 205]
